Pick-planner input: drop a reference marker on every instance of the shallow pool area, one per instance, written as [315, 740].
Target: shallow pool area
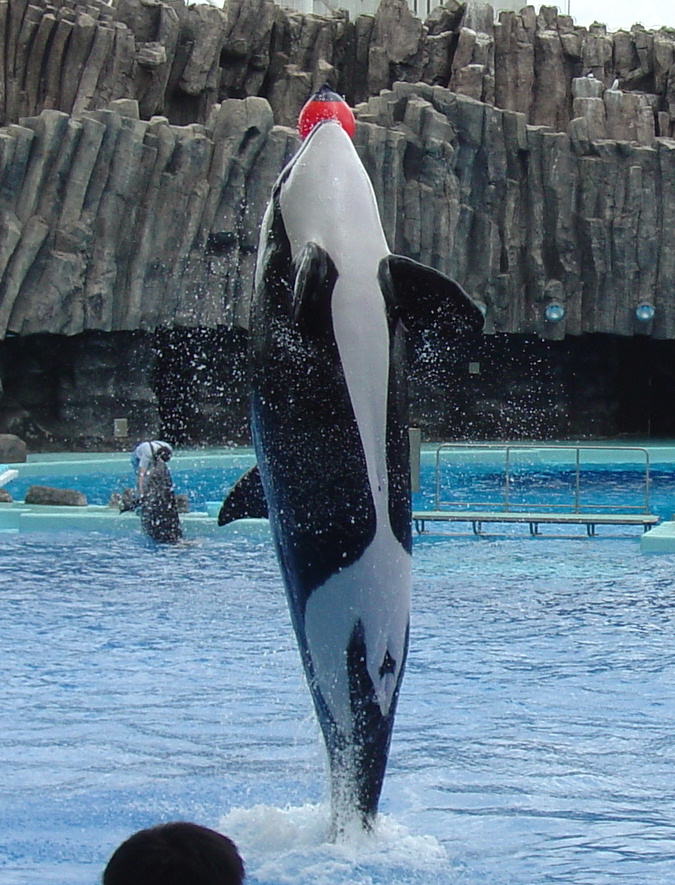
[534, 743]
[201, 474]
[611, 475]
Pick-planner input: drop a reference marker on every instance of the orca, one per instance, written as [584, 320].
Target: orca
[329, 419]
[158, 508]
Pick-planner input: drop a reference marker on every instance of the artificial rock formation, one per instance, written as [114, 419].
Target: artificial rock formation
[132, 191]
[112, 223]
[178, 61]
[55, 497]
[12, 449]
[529, 158]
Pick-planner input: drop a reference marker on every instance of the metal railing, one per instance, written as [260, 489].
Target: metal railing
[506, 504]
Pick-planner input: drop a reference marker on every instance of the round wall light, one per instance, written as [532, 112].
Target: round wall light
[645, 311]
[555, 311]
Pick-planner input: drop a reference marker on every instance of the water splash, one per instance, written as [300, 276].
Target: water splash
[288, 845]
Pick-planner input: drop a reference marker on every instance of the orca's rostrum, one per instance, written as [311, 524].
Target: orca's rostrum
[330, 429]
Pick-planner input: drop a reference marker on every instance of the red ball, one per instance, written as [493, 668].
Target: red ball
[326, 105]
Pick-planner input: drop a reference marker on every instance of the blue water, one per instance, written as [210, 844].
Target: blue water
[540, 486]
[200, 485]
[604, 485]
[534, 743]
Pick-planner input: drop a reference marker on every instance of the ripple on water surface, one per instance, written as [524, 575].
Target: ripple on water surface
[534, 739]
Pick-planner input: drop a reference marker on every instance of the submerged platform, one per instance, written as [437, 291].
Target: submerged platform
[75, 470]
[660, 539]
[533, 519]
[20, 517]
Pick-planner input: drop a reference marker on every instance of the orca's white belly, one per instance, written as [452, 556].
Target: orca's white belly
[375, 590]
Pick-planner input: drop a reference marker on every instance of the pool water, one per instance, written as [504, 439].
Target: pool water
[604, 485]
[201, 479]
[534, 743]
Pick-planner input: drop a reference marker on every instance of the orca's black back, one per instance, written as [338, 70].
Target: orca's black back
[159, 511]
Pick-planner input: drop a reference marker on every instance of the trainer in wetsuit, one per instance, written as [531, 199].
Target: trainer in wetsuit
[145, 454]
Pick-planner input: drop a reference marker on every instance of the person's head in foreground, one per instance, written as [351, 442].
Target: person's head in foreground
[177, 853]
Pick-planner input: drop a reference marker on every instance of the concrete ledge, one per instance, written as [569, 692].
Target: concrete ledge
[660, 539]
[19, 517]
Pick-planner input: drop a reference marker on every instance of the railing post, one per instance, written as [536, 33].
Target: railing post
[415, 440]
[578, 451]
[437, 505]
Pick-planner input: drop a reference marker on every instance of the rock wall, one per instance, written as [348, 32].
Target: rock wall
[112, 223]
[530, 159]
[132, 191]
[178, 61]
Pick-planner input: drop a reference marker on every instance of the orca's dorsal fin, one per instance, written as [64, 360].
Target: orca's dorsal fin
[246, 499]
[315, 276]
[423, 297]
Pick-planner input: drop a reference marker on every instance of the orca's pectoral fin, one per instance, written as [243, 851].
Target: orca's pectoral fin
[246, 499]
[129, 500]
[425, 298]
[315, 275]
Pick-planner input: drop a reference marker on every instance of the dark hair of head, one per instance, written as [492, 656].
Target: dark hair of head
[163, 453]
[177, 853]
